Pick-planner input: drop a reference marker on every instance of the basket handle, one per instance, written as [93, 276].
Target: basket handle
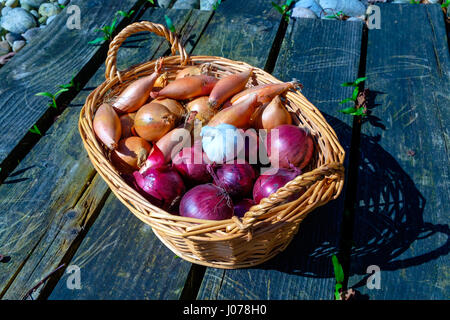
[158, 29]
[305, 180]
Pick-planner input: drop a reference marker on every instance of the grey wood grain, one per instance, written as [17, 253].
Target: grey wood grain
[403, 209]
[51, 59]
[321, 54]
[241, 32]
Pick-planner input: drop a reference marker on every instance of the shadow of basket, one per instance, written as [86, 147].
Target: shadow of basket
[389, 214]
[388, 219]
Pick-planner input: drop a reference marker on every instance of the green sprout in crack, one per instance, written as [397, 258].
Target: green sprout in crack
[216, 4]
[71, 84]
[169, 23]
[35, 130]
[284, 9]
[339, 275]
[340, 15]
[151, 1]
[125, 14]
[107, 32]
[355, 110]
[52, 96]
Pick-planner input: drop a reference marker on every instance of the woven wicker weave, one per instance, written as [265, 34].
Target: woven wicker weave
[268, 227]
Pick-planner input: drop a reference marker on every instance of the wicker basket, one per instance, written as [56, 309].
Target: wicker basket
[268, 227]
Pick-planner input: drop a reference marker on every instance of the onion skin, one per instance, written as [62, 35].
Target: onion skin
[170, 143]
[201, 105]
[155, 160]
[242, 206]
[130, 154]
[227, 87]
[206, 201]
[187, 88]
[265, 185]
[127, 123]
[237, 179]
[256, 118]
[173, 105]
[238, 114]
[274, 115]
[153, 121]
[294, 146]
[189, 71]
[161, 186]
[136, 94]
[185, 162]
[265, 92]
[107, 126]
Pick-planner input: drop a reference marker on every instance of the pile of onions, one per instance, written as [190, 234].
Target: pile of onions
[206, 201]
[213, 178]
[289, 145]
[161, 184]
[265, 185]
[190, 163]
[237, 179]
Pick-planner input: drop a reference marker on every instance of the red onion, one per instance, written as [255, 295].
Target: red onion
[241, 207]
[154, 160]
[190, 163]
[206, 201]
[291, 145]
[265, 185]
[160, 184]
[237, 179]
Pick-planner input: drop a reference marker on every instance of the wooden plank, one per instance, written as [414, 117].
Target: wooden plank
[120, 251]
[49, 201]
[121, 258]
[58, 54]
[403, 203]
[241, 32]
[321, 54]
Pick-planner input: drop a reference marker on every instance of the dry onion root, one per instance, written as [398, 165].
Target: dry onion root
[107, 126]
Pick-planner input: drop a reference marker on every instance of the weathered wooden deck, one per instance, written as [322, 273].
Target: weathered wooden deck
[393, 213]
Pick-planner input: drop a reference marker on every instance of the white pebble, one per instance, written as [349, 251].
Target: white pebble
[18, 45]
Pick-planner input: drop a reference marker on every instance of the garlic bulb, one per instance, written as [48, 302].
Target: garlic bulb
[222, 143]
